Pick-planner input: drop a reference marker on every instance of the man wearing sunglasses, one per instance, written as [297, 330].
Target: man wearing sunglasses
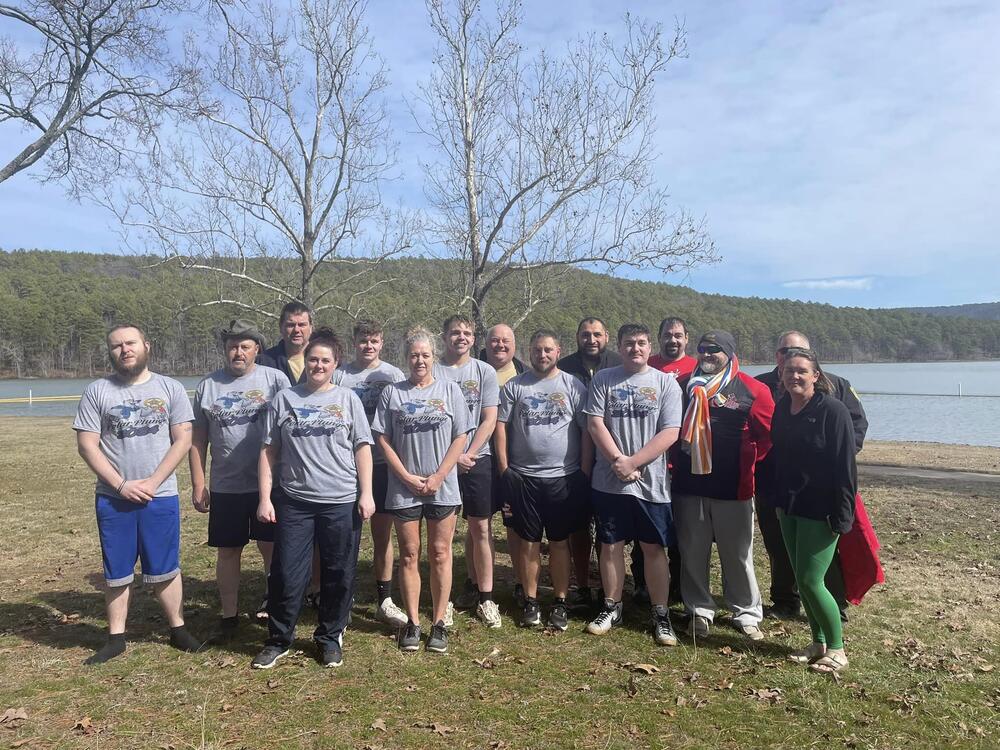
[784, 593]
[725, 432]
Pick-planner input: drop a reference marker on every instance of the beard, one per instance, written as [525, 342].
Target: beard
[130, 371]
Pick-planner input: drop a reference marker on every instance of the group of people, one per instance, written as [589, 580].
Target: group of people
[295, 447]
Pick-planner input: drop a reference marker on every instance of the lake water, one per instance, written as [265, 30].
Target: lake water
[906, 401]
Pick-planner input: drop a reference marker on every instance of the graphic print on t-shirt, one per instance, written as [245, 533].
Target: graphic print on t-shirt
[136, 417]
[312, 420]
[470, 389]
[421, 415]
[540, 408]
[369, 391]
[631, 402]
[238, 407]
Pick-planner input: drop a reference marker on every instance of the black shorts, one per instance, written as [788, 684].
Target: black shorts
[428, 511]
[476, 487]
[555, 506]
[380, 486]
[626, 518]
[501, 499]
[232, 520]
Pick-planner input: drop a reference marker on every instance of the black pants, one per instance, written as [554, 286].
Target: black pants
[784, 591]
[673, 558]
[336, 530]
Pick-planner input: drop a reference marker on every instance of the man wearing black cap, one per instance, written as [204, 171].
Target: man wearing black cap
[726, 431]
[228, 415]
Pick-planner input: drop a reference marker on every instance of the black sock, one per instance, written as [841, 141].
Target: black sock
[485, 596]
[383, 590]
[183, 640]
[114, 647]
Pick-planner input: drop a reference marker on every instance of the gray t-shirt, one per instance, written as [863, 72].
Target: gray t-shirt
[544, 419]
[478, 381]
[231, 410]
[634, 409]
[368, 385]
[134, 424]
[420, 425]
[318, 434]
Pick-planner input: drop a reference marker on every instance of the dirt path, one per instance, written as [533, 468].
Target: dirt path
[912, 472]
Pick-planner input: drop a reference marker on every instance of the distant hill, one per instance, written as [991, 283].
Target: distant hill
[981, 311]
[55, 308]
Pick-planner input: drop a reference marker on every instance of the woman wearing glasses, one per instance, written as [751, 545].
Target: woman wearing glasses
[816, 482]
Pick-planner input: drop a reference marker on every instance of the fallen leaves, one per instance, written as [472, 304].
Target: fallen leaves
[85, 726]
[641, 668]
[767, 695]
[378, 725]
[12, 718]
[434, 727]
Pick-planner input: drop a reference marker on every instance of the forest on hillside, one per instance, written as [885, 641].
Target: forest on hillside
[55, 308]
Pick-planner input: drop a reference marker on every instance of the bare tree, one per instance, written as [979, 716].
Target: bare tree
[87, 78]
[273, 185]
[546, 163]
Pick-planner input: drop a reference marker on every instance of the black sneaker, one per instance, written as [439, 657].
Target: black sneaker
[531, 614]
[331, 655]
[559, 616]
[783, 612]
[409, 637]
[312, 600]
[438, 640]
[607, 618]
[469, 598]
[519, 598]
[582, 598]
[268, 657]
[641, 596]
[663, 631]
[228, 626]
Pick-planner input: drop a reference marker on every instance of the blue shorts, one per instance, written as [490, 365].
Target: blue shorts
[623, 518]
[131, 531]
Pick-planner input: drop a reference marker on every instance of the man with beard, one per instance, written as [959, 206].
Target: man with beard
[296, 322]
[673, 358]
[726, 431]
[784, 592]
[229, 409]
[132, 429]
[368, 376]
[478, 382]
[544, 456]
[591, 356]
[633, 415]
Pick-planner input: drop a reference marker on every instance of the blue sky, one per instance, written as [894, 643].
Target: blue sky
[841, 152]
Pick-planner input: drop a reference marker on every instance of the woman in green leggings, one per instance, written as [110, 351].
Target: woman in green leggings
[816, 483]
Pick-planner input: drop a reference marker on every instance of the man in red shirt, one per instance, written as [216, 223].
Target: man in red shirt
[673, 356]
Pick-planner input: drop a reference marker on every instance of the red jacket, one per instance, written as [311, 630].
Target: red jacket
[741, 437]
[858, 551]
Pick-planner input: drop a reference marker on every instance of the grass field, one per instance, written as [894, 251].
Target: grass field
[925, 667]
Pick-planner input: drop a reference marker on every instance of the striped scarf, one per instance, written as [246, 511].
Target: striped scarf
[696, 431]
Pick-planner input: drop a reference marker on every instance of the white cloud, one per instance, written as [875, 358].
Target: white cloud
[862, 284]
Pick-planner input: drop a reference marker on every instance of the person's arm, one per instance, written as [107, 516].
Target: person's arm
[859, 420]
[759, 421]
[487, 424]
[500, 446]
[414, 483]
[265, 482]
[363, 461]
[197, 460]
[433, 483]
[180, 446]
[88, 445]
[602, 439]
[652, 450]
[586, 453]
[840, 437]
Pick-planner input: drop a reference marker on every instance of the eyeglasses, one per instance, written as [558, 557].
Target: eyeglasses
[709, 349]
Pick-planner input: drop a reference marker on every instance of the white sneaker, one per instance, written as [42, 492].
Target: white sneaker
[449, 615]
[489, 613]
[390, 614]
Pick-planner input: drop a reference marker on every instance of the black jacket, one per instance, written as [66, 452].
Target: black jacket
[816, 475]
[574, 364]
[275, 357]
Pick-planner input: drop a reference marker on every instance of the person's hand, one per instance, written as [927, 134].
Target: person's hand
[635, 476]
[587, 471]
[433, 483]
[366, 506]
[415, 483]
[201, 499]
[466, 463]
[624, 467]
[265, 511]
[138, 491]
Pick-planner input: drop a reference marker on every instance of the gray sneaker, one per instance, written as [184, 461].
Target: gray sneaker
[409, 637]
[699, 627]
[438, 640]
[489, 613]
[663, 631]
[268, 657]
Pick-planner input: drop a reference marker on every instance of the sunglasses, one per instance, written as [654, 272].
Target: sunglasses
[709, 349]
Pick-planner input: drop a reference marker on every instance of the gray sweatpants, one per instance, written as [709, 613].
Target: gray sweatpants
[698, 521]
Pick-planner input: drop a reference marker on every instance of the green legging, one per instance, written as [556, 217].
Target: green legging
[811, 545]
